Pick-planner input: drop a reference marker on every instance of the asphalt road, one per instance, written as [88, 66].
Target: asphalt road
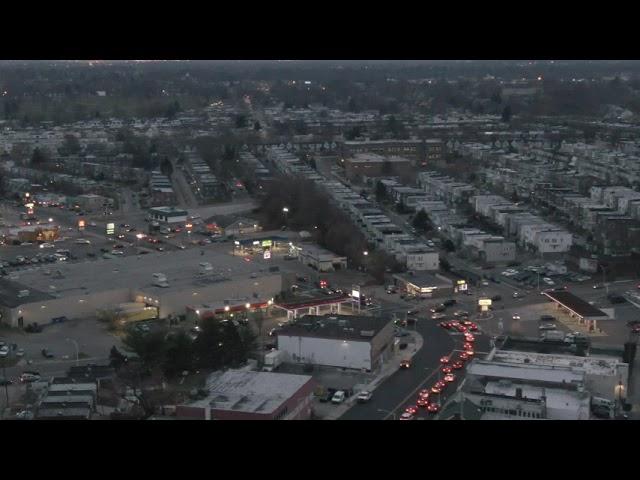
[400, 389]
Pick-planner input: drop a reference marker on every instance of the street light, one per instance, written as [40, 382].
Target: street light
[77, 349]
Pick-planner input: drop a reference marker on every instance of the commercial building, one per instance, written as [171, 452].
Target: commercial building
[529, 379]
[250, 395]
[420, 152]
[344, 341]
[373, 165]
[320, 258]
[576, 307]
[424, 284]
[167, 215]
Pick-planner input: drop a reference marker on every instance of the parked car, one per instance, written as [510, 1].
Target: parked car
[338, 397]
[364, 396]
[28, 377]
[5, 381]
[547, 326]
[4, 351]
[46, 353]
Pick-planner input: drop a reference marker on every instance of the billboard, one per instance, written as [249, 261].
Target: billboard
[484, 302]
[111, 228]
[267, 254]
[267, 243]
[81, 224]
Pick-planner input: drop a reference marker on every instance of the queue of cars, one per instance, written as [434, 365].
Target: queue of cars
[426, 398]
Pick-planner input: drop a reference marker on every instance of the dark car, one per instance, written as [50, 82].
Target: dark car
[449, 303]
[33, 328]
[438, 308]
[46, 353]
[496, 298]
[5, 381]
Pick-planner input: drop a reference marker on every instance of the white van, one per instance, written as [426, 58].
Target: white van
[338, 397]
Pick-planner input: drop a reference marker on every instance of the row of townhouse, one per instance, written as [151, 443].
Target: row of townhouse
[161, 190]
[606, 163]
[259, 172]
[376, 226]
[206, 186]
[445, 188]
[530, 230]
[108, 167]
[451, 194]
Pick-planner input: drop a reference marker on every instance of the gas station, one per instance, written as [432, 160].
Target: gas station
[314, 306]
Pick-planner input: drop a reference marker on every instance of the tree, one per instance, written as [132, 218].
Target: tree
[145, 384]
[116, 358]
[353, 133]
[38, 157]
[506, 114]
[448, 245]
[172, 109]
[421, 221]
[381, 191]
[166, 167]
[445, 265]
[179, 354]
[150, 347]
[387, 167]
[257, 126]
[70, 145]
[241, 121]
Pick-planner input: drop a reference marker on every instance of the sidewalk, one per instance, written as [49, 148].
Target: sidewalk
[388, 369]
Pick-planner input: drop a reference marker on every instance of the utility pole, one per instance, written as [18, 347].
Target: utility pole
[6, 385]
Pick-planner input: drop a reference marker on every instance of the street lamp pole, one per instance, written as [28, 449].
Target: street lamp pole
[77, 349]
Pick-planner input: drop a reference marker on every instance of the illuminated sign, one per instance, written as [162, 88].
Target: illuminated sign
[256, 242]
[81, 224]
[267, 243]
[461, 286]
[484, 302]
[188, 226]
[267, 254]
[355, 291]
[111, 228]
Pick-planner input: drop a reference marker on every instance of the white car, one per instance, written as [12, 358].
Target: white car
[364, 396]
[46, 245]
[83, 241]
[548, 281]
[484, 283]
[338, 397]
[117, 252]
[4, 351]
[515, 316]
[548, 326]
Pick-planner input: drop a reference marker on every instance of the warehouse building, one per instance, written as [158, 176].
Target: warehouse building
[345, 341]
[249, 395]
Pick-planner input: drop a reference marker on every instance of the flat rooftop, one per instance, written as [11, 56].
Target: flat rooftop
[424, 279]
[573, 402]
[251, 392]
[591, 365]
[525, 372]
[576, 305]
[336, 327]
[181, 268]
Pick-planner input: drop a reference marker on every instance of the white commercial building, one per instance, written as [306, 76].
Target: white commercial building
[345, 341]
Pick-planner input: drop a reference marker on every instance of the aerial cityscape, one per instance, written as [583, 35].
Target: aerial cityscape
[319, 240]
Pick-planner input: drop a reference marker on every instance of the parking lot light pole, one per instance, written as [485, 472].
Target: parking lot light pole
[77, 349]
